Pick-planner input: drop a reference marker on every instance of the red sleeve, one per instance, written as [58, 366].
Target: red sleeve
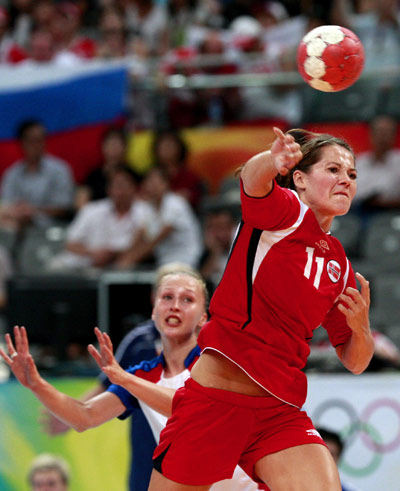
[278, 210]
[335, 322]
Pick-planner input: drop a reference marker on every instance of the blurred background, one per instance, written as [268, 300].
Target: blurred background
[180, 92]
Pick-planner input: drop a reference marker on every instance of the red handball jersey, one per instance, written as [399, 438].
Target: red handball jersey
[281, 282]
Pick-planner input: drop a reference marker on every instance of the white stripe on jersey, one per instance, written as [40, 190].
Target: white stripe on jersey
[269, 238]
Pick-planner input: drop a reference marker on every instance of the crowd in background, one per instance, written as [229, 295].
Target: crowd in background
[119, 220]
[189, 37]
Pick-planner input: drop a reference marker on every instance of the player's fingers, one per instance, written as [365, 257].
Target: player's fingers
[108, 341]
[17, 338]
[9, 344]
[348, 300]
[98, 335]
[365, 290]
[95, 354]
[5, 357]
[279, 133]
[24, 340]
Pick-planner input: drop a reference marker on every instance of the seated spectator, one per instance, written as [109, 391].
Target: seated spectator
[10, 51]
[172, 232]
[377, 28]
[113, 150]
[113, 35]
[147, 20]
[39, 188]
[67, 35]
[21, 21]
[218, 230]
[48, 472]
[170, 152]
[378, 170]
[335, 445]
[6, 270]
[40, 49]
[103, 230]
[43, 12]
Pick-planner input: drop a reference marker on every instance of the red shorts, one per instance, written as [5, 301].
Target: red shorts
[211, 431]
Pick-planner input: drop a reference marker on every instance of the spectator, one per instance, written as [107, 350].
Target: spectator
[172, 232]
[10, 51]
[335, 445]
[67, 35]
[113, 150]
[103, 230]
[181, 16]
[6, 271]
[268, 101]
[39, 188]
[49, 472]
[220, 103]
[40, 49]
[218, 230]
[378, 181]
[170, 152]
[147, 20]
[113, 36]
[377, 28]
[43, 12]
[21, 21]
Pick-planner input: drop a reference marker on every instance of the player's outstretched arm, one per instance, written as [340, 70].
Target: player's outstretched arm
[357, 352]
[158, 398]
[77, 414]
[258, 173]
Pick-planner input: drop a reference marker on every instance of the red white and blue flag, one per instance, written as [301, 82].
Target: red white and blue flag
[74, 103]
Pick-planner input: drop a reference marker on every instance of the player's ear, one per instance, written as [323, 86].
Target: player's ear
[298, 179]
[203, 319]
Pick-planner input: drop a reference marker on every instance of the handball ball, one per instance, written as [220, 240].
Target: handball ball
[330, 58]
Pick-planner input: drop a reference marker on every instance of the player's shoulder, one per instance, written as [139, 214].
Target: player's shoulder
[147, 366]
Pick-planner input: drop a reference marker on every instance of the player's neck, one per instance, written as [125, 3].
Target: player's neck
[175, 354]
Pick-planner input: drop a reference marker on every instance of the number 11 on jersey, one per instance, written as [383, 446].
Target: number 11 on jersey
[320, 266]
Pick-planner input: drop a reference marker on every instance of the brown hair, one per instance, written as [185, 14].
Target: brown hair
[311, 145]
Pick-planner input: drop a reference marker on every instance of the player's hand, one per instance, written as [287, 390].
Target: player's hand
[356, 308]
[105, 357]
[19, 358]
[285, 152]
[51, 425]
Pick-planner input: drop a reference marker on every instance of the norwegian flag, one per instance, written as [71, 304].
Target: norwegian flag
[334, 271]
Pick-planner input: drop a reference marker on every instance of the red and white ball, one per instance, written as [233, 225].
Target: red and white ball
[330, 58]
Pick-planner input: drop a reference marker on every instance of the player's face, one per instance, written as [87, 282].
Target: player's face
[179, 309]
[329, 188]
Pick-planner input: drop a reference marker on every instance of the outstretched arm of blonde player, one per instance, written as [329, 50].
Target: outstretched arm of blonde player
[158, 398]
[80, 415]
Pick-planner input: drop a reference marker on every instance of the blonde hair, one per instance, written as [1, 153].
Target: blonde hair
[179, 269]
[49, 462]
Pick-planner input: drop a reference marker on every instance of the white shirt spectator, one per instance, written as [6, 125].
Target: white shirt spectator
[52, 185]
[382, 179]
[184, 243]
[97, 226]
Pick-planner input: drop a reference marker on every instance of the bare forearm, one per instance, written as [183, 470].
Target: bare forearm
[357, 352]
[258, 173]
[77, 248]
[78, 414]
[69, 410]
[158, 398]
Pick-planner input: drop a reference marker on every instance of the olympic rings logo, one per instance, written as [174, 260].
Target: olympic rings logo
[361, 427]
